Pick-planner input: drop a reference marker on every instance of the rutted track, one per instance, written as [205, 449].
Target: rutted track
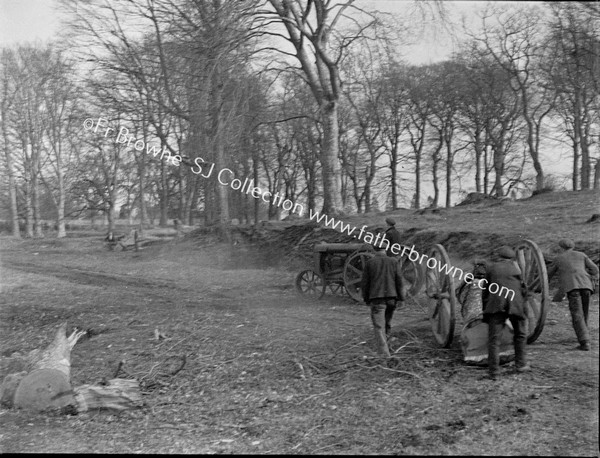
[90, 277]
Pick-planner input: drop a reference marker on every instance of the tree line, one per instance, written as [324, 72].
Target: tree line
[308, 98]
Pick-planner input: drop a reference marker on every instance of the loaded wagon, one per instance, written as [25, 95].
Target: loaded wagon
[445, 296]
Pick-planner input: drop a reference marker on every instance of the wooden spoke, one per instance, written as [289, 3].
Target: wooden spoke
[310, 283]
[353, 269]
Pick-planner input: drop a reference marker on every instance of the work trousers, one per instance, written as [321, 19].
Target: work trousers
[579, 306]
[382, 311]
[495, 325]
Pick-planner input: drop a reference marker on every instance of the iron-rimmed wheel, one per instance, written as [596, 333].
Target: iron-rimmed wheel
[310, 283]
[533, 270]
[353, 269]
[442, 300]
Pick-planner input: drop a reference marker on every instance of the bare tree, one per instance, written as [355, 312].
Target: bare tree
[313, 28]
[575, 40]
[515, 41]
[7, 99]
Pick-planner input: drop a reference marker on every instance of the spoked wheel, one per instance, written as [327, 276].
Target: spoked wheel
[353, 269]
[310, 283]
[442, 299]
[413, 273]
[533, 269]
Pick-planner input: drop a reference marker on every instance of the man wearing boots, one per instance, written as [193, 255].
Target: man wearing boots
[382, 286]
[497, 308]
[577, 275]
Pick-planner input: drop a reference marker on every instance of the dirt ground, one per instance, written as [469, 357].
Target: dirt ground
[269, 371]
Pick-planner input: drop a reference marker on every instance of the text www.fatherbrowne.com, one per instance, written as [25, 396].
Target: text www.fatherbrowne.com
[413, 255]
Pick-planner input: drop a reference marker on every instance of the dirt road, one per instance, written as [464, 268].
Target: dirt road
[268, 371]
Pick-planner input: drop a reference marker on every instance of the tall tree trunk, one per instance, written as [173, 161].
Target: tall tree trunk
[449, 160]
[332, 201]
[35, 192]
[531, 143]
[576, 155]
[586, 166]
[164, 195]
[478, 161]
[12, 186]
[434, 175]
[255, 165]
[597, 174]
[486, 172]
[110, 216]
[142, 198]
[579, 134]
[367, 198]
[28, 209]
[499, 170]
[394, 174]
[418, 181]
[61, 199]
[183, 190]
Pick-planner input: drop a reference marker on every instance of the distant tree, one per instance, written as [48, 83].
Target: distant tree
[513, 38]
[418, 108]
[8, 88]
[393, 115]
[575, 40]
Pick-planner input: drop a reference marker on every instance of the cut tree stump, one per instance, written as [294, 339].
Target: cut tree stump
[119, 394]
[44, 389]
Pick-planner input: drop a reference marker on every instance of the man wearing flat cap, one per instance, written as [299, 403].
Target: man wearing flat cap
[382, 287]
[391, 234]
[507, 302]
[577, 275]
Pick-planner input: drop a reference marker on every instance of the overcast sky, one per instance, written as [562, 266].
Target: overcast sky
[33, 20]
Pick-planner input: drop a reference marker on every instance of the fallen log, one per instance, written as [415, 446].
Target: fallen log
[118, 394]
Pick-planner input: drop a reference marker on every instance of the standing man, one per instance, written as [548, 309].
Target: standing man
[577, 275]
[382, 286]
[497, 308]
[391, 234]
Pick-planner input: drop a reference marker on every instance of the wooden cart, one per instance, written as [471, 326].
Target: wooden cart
[444, 295]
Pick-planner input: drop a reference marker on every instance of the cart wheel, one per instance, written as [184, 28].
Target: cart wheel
[533, 269]
[353, 269]
[413, 273]
[310, 283]
[442, 299]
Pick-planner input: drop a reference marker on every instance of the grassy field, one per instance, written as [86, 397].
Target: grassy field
[270, 371]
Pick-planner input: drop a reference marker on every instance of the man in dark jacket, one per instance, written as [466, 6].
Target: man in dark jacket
[392, 235]
[382, 286]
[577, 275]
[504, 297]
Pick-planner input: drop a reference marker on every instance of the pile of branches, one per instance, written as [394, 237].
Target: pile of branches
[297, 242]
